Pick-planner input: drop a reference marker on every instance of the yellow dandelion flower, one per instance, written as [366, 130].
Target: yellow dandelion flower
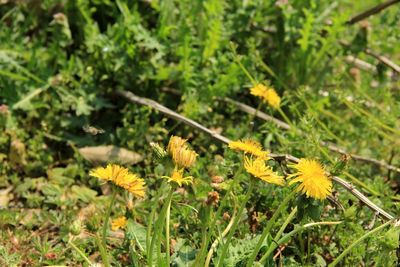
[259, 90]
[175, 142]
[121, 177]
[184, 157]
[118, 223]
[267, 94]
[259, 169]
[177, 177]
[249, 146]
[312, 178]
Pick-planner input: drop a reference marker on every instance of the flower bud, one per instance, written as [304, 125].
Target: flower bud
[158, 151]
[76, 227]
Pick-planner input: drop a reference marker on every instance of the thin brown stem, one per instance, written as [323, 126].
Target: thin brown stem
[374, 10]
[172, 114]
[331, 147]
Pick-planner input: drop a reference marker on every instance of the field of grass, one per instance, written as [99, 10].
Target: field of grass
[199, 133]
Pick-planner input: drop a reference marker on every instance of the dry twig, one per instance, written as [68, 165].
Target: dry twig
[361, 64]
[374, 10]
[250, 110]
[384, 60]
[288, 158]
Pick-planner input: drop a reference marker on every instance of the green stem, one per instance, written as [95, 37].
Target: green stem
[377, 130]
[224, 233]
[271, 72]
[151, 218]
[327, 130]
[103, 252]
[158, 231]
[235, 224]
[267, 229]
[252, 116]
[220, 208]
[287, 237]
[308, 249]
[301, 243]
[287, 221]
[80, 252]
[108, 213]
[355, 243]
[167, 218]
[237, 59]
[372, 117]
[287, 120]
[203, 236]
[132, 252]
[347, 174]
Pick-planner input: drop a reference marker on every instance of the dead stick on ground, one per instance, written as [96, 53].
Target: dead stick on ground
[372, 11]
[172, 114]
[384, 60]
[283, 125]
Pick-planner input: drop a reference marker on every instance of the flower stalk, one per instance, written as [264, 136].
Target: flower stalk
[267, 229]
[107, 217]
[235, 224]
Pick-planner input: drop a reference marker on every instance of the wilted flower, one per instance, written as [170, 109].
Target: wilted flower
[267, 94]
[216, 179]
[213, 198]
[177, 177]
[249, 146]
[259, 169]
[121, 177]
[181, 154]
[118, 223]
[312, 178]
[175, 142]
[184, 157]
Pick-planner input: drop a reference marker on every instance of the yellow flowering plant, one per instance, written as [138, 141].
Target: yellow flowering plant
[119, 223]
[311, 179]
[121, 177]
[183, 158]
[267, 95]
[255, 165]
[259, 169]
[251, 147]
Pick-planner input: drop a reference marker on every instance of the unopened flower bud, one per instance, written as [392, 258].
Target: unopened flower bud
[76, 227]
[217, 179]
[226, 216]
[158, 151]
[213, 198]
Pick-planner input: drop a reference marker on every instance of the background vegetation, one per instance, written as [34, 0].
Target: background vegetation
[61, 63]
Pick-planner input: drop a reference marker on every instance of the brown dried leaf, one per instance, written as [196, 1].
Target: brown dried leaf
[17, 154]
[5, 197]
[106, 154]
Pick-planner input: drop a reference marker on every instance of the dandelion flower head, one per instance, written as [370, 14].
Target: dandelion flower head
[267, 94]
[118, 223]
[121, 177]
[259, 169]
[249, 146]
[177, 177]
[312, 178]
